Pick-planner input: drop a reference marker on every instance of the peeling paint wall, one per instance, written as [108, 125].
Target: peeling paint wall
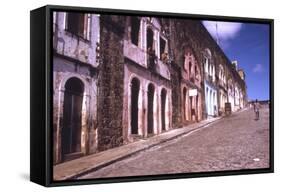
[75, 58]
[70, 45]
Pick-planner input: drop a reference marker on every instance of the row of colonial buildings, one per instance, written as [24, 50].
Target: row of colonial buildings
[117, 79]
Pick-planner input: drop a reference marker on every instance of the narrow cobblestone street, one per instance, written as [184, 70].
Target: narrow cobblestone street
[232, 143]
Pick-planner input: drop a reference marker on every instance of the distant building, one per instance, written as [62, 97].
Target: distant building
[210, 83]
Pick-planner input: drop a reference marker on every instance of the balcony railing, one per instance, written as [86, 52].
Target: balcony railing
[156, 65]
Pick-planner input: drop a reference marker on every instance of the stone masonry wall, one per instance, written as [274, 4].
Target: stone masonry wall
[110, 82]
[176, 95]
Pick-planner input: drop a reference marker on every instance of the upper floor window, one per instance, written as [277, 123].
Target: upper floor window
[79, 24]
[149, 39]
[221, 74]
[190, 67]
[207, 60]
[209, 65]
[54, 21]
[206, 63]
[230, 86]
[196, 72]
[155, 41]
[135, 29]
[163, 48]
[54, 17]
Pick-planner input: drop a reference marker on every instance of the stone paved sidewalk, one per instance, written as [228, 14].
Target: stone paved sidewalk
[75, 168]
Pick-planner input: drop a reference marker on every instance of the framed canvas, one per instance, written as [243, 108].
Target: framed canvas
[123, 95]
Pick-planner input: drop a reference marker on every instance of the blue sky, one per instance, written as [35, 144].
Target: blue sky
[249, 45]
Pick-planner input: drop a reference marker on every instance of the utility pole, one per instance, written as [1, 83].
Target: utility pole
[217, 34]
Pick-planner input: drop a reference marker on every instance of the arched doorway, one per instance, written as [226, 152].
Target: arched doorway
[150, 98]
[72, 112]
[135, 88]
[163, 107]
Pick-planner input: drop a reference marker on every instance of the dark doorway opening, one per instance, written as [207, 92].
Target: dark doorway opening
[163, 106]
[184, 103]
[197, 108]
[135, 87]
[150, 97]
[72, 112]
[191, 107]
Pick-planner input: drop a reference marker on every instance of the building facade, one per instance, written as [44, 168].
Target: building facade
[74, 84]
[118, 79]
[147, 87]
[210, 84]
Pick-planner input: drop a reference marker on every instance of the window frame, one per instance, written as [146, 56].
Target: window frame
[139, 30]
[86, 32]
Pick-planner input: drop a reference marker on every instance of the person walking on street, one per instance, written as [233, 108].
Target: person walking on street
[256, 110]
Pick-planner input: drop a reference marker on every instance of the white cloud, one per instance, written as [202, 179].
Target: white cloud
[258, 68]
[223, 31]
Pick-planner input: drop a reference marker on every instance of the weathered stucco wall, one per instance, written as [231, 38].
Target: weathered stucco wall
[70, 45]
[63, 71]
[145, 78]
[75, 57]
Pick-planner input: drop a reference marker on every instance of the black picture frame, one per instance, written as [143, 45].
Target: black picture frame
[41, 95]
